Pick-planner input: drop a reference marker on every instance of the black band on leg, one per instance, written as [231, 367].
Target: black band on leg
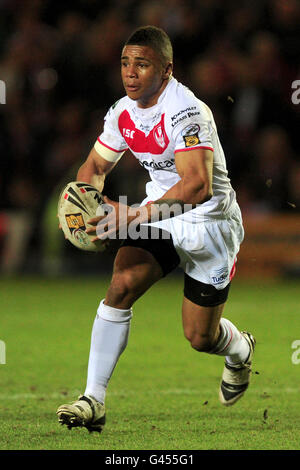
[204, 295]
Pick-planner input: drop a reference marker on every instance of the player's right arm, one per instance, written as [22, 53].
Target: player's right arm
[107, 151]
[94, 169]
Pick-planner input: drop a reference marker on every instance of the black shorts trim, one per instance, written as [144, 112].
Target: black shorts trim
[204, 295]
[160, 244]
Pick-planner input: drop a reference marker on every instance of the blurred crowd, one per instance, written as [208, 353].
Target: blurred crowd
[59, 61]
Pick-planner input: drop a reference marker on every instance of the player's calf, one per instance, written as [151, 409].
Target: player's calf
[200, 342]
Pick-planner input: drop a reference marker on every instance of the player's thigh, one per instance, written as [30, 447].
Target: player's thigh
[201, 324]
[134, 271]
[140, 262]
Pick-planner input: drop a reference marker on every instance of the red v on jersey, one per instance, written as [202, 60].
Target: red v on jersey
[155, 142]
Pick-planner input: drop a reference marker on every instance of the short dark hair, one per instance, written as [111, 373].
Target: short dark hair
[153, 37]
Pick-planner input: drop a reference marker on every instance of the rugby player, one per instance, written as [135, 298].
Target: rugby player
[190, 218]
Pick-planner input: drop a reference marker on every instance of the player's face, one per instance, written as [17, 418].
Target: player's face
[143, 74]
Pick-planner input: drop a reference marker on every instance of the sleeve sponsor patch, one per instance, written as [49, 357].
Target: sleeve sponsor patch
[190, 135]
[191, 140]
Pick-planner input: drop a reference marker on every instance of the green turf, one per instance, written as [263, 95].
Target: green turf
[163, 394]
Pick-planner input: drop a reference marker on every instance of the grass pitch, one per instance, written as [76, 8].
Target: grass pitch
[163, 394]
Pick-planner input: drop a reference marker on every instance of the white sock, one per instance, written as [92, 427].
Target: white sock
[109, 339]
[231, 344]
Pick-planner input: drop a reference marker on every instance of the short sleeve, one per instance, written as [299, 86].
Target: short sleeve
[110, 143]
[194, 128]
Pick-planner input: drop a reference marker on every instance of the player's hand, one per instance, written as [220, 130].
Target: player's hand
[115, 223]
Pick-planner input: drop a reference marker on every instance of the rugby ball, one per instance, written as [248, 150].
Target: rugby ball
[78, 203]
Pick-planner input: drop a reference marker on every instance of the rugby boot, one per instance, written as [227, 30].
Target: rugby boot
[236, 378]
[85, 412]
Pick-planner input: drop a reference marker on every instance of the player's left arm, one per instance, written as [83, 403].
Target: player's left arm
[195, 168]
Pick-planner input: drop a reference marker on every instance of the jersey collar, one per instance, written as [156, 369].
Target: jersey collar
[149, 112]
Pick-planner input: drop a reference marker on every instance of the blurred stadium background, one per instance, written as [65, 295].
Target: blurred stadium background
[59, 61]
[60, 65]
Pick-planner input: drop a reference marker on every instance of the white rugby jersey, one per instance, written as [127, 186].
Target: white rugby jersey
[176, 123]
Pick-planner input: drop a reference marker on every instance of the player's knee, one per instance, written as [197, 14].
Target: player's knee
[123, 284]
[200, 342]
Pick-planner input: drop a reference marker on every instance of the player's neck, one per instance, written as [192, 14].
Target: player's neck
[153, 100]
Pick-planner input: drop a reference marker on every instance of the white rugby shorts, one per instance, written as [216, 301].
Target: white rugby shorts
[207, 249]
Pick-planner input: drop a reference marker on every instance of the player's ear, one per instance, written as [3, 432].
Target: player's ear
[168, 70]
